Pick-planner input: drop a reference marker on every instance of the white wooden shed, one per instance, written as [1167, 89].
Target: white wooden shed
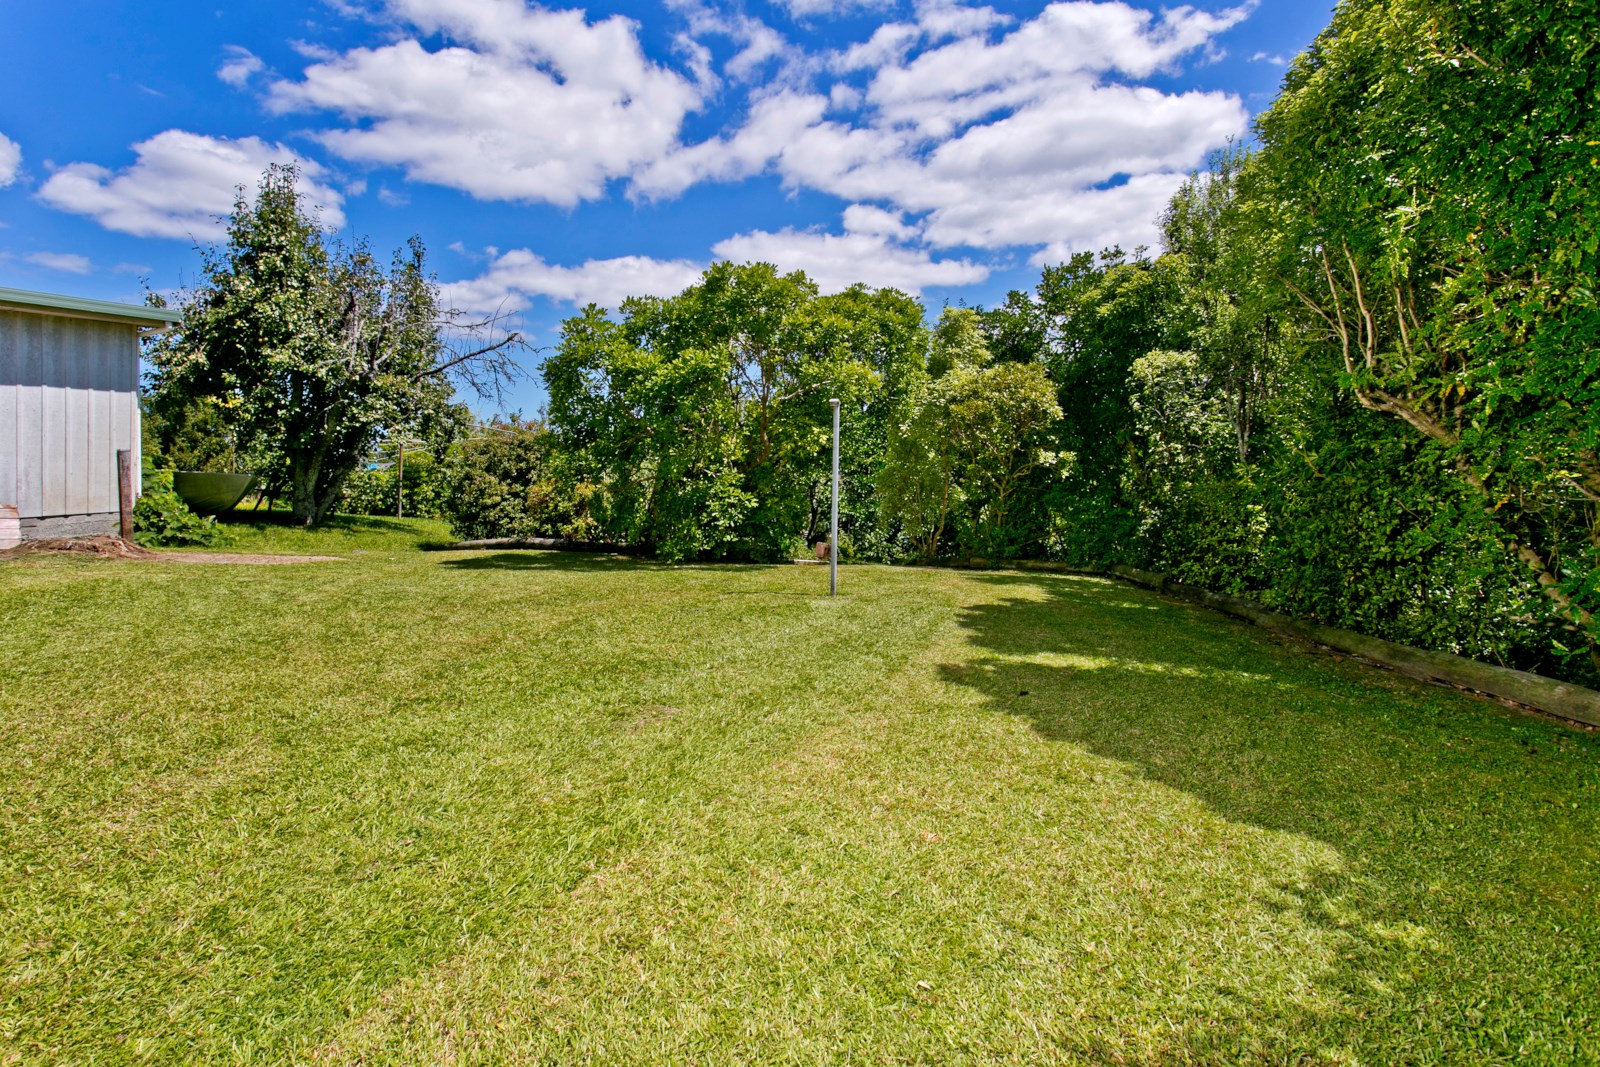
[69, 400]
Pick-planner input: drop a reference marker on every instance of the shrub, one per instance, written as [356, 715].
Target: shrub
[510, 481]
[160, 517]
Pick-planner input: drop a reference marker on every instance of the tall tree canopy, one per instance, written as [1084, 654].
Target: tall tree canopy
[968, 445]
[313, 352]
[705, 415]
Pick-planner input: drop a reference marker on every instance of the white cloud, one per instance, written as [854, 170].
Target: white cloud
[1274, 60]
[773, 123]
[524, 104]
[519, 275]
[66, 262]
[760, 47]
[762, 43]
[313, 51]
[1066, 46]
[1037, 136]
[10, 160]
[240, 66]
[944, 18]
[838, 261]
[888, 44]
[864, 218]
[181, 184]
[815, 9]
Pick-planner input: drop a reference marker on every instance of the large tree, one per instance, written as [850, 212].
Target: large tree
[705, 415]
[968, 441]
[1217, 305]
[314, 351]
[1086, 322]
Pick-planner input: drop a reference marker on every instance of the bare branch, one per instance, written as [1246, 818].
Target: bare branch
[1400, 317]
[467, 357]
[1370, 348]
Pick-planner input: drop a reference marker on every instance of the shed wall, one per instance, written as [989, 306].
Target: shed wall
[69, 399]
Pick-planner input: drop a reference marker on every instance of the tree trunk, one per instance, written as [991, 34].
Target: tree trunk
[330, 492]
[303, 472]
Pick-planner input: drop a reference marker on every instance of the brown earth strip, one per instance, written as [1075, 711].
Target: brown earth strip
[117, 548]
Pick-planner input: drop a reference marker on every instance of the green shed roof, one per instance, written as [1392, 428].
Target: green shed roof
[83, 307]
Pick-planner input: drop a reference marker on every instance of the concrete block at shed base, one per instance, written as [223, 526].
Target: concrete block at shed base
[10, 527]
[101, 524]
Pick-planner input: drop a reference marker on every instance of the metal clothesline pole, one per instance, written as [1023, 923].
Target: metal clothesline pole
[833, 525]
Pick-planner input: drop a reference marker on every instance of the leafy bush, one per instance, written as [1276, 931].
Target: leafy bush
[160, 517]
[1384, 539]
[510, 481]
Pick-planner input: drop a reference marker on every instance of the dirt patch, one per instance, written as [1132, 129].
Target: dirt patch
[101, 547]
[117, 548]
[238, 557]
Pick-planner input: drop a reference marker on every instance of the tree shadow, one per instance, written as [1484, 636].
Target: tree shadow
[546, 560]
[261, 521]
[540, 559]
[1454, 815]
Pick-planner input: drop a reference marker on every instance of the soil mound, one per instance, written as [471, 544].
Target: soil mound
[103, 547]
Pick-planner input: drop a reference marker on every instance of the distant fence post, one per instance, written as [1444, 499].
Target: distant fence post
[125, 492]
[833, 523]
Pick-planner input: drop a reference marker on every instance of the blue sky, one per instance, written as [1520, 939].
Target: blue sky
[549, 156]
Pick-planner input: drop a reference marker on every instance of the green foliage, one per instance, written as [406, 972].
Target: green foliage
[1179, 424]
[1378, 534]
[1091, 318]
[1194, 520]
[886, 329]
[957, 341]
[374, 491]
[971, 439]
[1426, 191]
[1217, 306]
[1391, 248]
[510, 479]
[916, 484]
[1413, 239]
[310, 352]
[704, 417]
[161, 518]
[191, 434]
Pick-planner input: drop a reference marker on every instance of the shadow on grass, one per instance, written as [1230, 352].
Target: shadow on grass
[261, 521]
[1454, 816]
[535, 559]
[545, 560]
[344, 523]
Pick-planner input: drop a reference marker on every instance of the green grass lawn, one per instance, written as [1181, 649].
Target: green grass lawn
[441, 807]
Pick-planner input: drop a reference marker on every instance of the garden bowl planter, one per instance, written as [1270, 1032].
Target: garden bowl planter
[210, 493]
